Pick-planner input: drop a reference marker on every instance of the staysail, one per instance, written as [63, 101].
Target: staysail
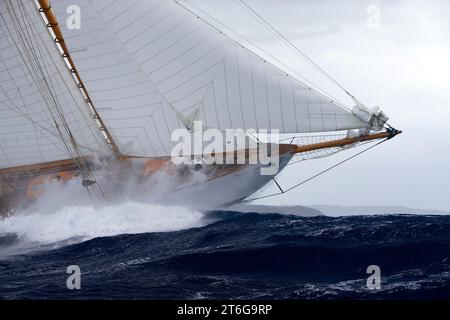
[43, 115]
[145, 62]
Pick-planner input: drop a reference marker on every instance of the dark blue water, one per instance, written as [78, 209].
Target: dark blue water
[247, 256]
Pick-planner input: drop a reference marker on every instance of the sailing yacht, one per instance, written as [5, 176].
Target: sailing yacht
[110, 93]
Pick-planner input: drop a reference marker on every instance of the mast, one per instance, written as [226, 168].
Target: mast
[46, 10]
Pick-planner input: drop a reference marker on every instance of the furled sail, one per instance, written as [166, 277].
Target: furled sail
[43, 115]
[145, 62]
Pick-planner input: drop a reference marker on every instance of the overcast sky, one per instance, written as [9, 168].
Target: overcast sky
[392, 53]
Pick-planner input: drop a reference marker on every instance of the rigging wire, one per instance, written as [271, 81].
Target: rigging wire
[89, 177]
[314, 176]
[271, 28]
[312, 86]
[279, 35]
[31, 62]
[290, 44]
[32, 55]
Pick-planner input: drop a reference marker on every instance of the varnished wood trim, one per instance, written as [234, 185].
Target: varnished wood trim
[346, 141]
[44, 166]
[53, 24]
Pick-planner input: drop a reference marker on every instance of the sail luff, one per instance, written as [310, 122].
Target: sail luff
[288, 73]
[265, 61]
[46, 10]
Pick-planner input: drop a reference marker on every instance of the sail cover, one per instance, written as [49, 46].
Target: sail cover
[42, 112]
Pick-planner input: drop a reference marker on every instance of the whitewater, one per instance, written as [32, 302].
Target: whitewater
[87, 222]
[67, 214]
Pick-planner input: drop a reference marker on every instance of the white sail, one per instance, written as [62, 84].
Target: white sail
[43, 115]
[145, 61]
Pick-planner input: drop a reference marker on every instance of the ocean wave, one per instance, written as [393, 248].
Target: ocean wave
[239, 255]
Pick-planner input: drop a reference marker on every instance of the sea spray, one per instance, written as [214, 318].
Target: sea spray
[87, 222]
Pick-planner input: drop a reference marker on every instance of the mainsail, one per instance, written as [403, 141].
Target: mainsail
[145, 62]
[43, 115]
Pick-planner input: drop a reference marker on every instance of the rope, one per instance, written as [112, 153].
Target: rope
[314, 176]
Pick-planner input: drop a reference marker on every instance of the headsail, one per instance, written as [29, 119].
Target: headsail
[144, 61]
[44, 117]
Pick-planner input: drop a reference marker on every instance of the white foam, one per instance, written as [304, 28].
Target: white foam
[87, 222]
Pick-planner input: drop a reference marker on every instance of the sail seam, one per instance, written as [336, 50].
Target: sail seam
[323, 95]
[15, 108]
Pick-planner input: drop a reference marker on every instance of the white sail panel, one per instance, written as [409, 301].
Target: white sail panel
[135, 112]
[143, 59]
[183, 56]
[39, 99]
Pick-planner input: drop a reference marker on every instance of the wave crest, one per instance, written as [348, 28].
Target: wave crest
[87, 222]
